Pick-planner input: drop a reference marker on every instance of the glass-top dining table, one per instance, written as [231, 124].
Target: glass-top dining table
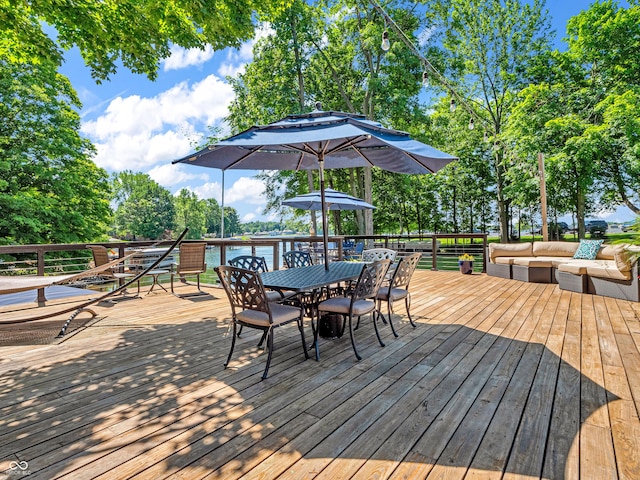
[314, 278]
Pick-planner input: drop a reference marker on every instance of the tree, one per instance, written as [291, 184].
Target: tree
[137, 33]
[190, 213]
[144, 208]
[232, 224]
[332, 54]
[604, 41]
[212, 216]
[489, 51]
[50, 189]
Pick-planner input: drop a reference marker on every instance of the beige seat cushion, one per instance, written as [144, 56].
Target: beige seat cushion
[532, 262]
[503, 260]
[555, 249]
[396, 294]
[280, 313]
[341, 305]
[523, 249]
[595, 268]
[608, 269]
[576, 266]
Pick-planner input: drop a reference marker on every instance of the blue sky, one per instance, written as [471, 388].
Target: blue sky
[140, 125]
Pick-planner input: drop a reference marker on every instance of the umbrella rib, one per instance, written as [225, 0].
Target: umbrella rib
[239, 160]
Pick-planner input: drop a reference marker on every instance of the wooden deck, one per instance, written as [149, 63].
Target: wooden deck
[500, 379]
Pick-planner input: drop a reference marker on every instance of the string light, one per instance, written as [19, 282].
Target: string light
[472, 125]
[430, 71]
[386, 45]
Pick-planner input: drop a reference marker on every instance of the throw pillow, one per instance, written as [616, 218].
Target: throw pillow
[588, 249]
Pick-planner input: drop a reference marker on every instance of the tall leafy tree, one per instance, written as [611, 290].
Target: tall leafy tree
[332, 55]
[190, 213]
[144, 208]
[489, 49]
[605, 42]
[50, 189]
[137, 33]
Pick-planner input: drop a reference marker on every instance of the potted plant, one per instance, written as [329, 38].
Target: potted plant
[465, 262]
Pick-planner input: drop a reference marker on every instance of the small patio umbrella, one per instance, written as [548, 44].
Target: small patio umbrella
[320, 140]
[334, 199]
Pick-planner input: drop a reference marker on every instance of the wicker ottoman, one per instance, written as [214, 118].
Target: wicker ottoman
[572, 282]
[502, 270]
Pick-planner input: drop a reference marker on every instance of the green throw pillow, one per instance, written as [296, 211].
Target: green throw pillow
[588, 249]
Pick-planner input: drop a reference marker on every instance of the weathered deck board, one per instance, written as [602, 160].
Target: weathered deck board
[501, 379]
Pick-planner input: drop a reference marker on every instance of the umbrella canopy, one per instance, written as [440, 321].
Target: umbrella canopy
[335, 201]
[320, 140]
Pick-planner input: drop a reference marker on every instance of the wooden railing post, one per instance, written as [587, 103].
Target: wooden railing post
[434, 254]
[40, 255]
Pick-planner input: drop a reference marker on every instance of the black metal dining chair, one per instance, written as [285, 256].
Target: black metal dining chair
[398, 287]
[297, 258]
[359, 301]
[250, 307]
[249, 262]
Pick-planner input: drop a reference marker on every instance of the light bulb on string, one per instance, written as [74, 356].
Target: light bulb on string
[386, 45]
[452, 105]
[425, 79]
[472, 125]
[486, 136]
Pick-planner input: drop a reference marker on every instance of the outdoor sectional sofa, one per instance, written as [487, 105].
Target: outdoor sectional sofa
[613, 273]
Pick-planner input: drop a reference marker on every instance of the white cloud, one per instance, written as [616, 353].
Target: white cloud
[249, 217]
[247, 190]
[169, 175]
[182, 58]
[209, 190]
[136, 132]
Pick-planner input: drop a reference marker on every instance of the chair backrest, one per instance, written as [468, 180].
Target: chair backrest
[359, 248]
[244, 288]
[100, 258]
[370, 280]
[295, 259]
[404, 270]
[249, 262]
[374, 254]
[192, 257]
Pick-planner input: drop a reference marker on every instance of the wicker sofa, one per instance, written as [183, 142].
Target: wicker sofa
[614, 272]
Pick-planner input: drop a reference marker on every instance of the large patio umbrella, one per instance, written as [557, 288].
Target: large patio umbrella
[334, 200]
[320, 140]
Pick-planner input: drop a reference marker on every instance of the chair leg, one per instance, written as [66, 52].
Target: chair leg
[233, 344]
[407, 302]
[315, 326]
[384, 320]
[390, 310]
[264, 335]
[240, 331]
[304, 340]
[374, 318]
[353, 340]
[270, 349]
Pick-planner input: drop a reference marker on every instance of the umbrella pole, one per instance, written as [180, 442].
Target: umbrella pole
[325, 230]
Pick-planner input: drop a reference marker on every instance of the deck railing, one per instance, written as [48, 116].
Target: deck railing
[56, 259]
[439, 251]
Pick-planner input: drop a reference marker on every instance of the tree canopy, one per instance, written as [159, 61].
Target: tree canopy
[50, 189]
[138, 33]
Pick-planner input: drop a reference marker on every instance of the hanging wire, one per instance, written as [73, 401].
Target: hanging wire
[430, 70]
